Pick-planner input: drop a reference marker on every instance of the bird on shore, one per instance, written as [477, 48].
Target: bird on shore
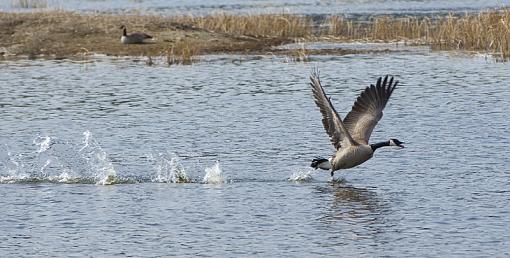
[133, 38]
[350, 136]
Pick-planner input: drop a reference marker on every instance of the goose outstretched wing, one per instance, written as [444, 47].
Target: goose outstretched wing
[338, 133]
[367, 110]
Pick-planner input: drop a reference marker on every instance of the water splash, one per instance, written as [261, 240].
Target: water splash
[84, 161]
[46, 164]
[177, 172]
[13, 165]
[301, 176]
[97, 160]
[87, 137]
[58, 160]
[43, 142]
[66, 177]
[169, 170]
[213, 174]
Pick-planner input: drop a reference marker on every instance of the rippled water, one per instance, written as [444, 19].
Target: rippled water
[268, 6]
[236, 129]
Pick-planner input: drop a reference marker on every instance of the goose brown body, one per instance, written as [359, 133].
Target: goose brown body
[133, 38]
[350, 137]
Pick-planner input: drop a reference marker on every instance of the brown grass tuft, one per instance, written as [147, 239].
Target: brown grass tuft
[300, 53]
[184, 53]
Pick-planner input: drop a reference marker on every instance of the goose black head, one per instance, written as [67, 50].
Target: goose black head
[396, 142]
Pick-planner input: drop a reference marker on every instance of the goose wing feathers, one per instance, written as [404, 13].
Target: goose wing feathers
[367, 110]
[141, 35]
[338, 133]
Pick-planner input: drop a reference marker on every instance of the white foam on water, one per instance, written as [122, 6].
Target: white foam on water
[14, 167]
[302, 176]
[86, 139]
[109, 179]
[213, 174]
[98, 161]
[168, 169]
[177, 172]
[46, 164]
[58, 161]
[55, 160]
[43, 142]
[65, 178]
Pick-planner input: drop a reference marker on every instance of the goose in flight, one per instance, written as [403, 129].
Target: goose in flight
[133, 38]
[350, 136]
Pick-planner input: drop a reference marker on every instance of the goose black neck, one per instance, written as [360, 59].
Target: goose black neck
[378, 145]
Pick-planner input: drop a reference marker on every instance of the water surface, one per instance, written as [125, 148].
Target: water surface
[67, 125]
[315, 7]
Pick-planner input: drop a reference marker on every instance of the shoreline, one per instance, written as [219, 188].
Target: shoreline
[57, 35]
[64, 34]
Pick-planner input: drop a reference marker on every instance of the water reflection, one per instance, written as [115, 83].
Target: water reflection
[352, 214]
[258, 137]
[349, 202]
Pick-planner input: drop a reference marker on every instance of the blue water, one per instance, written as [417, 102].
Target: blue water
[315, 7]
[67, 126]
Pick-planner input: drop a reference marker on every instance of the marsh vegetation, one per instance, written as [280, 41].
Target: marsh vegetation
[182, 38]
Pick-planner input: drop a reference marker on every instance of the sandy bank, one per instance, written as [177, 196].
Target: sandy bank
[66, 34]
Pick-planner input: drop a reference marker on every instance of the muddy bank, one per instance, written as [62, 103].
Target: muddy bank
[66, 34]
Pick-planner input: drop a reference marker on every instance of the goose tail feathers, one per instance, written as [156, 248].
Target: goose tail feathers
[321, 163]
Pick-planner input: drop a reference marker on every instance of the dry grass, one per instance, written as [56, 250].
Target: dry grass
[29, 4]
[409, 28]
[184, 52]
[337, 26]
[299, 54]
[65, 34]
[487, 31]
[182, 38]
[380, 28]
[260, 25]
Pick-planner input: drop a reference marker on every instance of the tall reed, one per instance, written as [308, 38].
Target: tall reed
[183, 52]
[27, 4]
[486, 31]
[268, 25]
